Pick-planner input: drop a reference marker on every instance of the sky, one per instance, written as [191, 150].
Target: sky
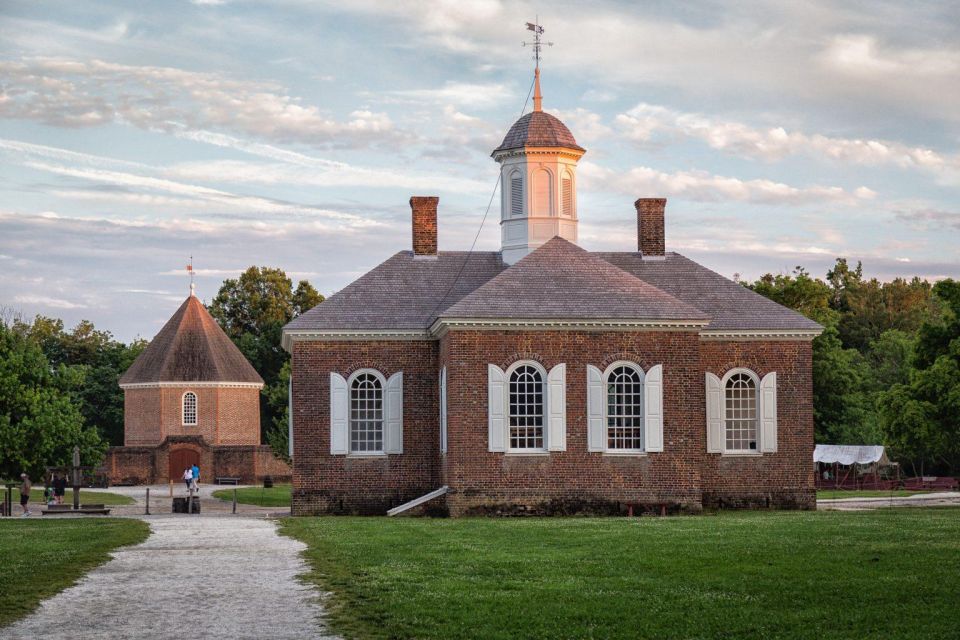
[291, 134]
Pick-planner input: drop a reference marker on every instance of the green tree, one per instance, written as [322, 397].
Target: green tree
[252, 310]
[39, 420]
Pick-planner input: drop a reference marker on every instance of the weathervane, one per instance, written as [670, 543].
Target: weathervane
[190, 271]
[537, 42]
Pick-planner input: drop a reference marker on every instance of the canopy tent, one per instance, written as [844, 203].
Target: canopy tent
[844, 466]
[850, 454]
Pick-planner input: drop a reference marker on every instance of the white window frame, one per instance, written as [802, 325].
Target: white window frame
[723, 408]
[443, 410]
[545, 426]
[383, 413]
[606, 407]
[183, 409]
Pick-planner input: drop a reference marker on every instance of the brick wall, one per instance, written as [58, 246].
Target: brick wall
[141, 417]
[783, 479]
[150, 465]
[239, 415]
[325, 483]
[574, 480]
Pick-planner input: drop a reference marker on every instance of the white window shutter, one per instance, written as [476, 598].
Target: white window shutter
[596, 429]
[653, 409]
[714, 414]
[557, 415]
[443, 410]
[393, 416]
[339, 403]
[496, 409]
[768, 413]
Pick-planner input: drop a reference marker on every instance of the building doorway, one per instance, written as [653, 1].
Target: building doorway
[180, 459]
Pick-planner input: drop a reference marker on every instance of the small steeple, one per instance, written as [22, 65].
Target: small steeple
[537, 97]
[190, 271]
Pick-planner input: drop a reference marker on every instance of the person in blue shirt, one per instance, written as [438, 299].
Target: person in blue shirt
[196, 477]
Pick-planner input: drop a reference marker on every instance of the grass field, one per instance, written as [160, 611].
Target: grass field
[86, 497]
[880, 574]
[39, 558]
[830, 494]
[277, 496]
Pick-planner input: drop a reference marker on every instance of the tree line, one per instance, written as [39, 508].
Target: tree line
[886, 369]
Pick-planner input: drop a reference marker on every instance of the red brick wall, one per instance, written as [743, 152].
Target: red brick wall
[130, 465]
[239, 415]
[149, 465]
[326, 483]
[141, 417]
[781, 479]
[225, 415]
[575, 479]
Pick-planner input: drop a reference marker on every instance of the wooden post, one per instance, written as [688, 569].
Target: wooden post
[234, 500]
[76, 477]
[190, 502]
[148, 501]
[171, 488]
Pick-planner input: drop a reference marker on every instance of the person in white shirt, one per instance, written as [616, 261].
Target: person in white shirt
[188, 477]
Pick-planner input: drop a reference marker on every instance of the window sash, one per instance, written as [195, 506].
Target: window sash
[366, 414]
[624, 410]
[190, 409]
[740, 415]
[526, 407]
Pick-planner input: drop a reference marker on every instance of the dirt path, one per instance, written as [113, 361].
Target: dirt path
[949, 498]
[194, 577]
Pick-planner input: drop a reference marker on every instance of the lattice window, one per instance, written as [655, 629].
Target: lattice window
[190, 408]
[741, 413]
[516, 195]
[366, 414]
[526, 408]
[625, 409]
[566, 195]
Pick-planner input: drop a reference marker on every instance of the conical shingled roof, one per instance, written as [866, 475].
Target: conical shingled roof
[538, 129]
[191, 347]
[559, 280]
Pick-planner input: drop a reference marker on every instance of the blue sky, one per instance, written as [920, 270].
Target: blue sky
[292, 134]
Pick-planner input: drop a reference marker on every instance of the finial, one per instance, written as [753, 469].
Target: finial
[190, 271]
[537, 97]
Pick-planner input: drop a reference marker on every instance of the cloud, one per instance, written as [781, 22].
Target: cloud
[474, 95]
[73, 93]
[47, 301]
[705, 187]
[926, 217]
[645, 123]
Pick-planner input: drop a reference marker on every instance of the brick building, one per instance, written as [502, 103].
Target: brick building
[545, 378]
[190, 398]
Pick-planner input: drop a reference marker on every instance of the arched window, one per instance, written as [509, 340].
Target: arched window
[740, 411]
[566, 195]
[516, 194]
[190, 409]
[526, 404]
[366, 412]
[624, 408]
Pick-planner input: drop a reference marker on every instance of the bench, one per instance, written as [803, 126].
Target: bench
[646, 507]
[86, 509]
[233, 481]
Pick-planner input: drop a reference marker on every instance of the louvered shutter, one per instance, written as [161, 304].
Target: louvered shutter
[596, 429]
[496, 409]
[393, 420]
[339, 404]
[443, 410]
[557, 415]
[516, 196]
[768, 413]
[714, 414]
[653, 409]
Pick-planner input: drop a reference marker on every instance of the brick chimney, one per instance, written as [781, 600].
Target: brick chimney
[424, 212]
[650, 226]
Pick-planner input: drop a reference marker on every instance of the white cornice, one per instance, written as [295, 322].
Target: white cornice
[189, 383]
[760, 334]
[442, 325]
[302, 335]
[537, 151]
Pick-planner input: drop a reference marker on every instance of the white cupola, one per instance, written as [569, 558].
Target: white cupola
[538, 181]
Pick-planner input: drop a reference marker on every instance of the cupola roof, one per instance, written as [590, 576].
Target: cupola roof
[538, 129]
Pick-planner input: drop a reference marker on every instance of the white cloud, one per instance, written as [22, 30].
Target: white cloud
[473, 95]
[47, 301]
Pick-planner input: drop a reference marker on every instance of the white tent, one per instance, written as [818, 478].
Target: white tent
[849, 454]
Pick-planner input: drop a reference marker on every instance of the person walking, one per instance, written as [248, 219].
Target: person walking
[196, 476]
[59, 487]
[25, 486]
[188, 477]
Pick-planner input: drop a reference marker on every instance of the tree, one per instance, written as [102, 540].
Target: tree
[252, 310]
[39, 420]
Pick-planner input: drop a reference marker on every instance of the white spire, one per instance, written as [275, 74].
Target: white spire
[537, 96]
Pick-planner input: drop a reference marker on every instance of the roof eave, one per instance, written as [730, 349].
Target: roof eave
[444, 324]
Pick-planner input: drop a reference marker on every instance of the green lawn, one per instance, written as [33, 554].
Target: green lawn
[277, 496]
[829, 494]
[39, 558]
[86, 497]
[879, 574]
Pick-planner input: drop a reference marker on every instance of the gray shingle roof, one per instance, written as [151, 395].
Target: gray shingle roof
[731, 306]
[191, 347]
[408, 293]
[561, 280]
[538, 129]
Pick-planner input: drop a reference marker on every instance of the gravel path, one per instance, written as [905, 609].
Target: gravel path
[194, 577]
[949, 498]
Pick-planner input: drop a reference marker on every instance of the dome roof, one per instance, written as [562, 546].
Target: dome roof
[538, 129]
